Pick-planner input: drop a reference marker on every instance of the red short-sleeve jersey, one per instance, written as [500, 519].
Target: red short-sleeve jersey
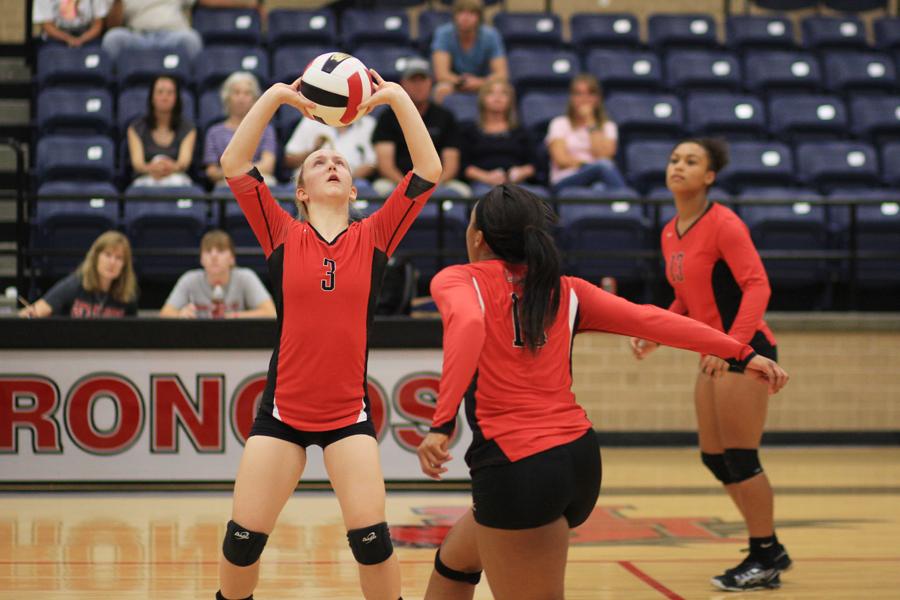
[324, 295]
[717, 274]
[519, 403]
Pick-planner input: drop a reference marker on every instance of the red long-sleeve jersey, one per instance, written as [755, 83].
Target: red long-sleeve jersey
[325, 294]
[717, 274]
[519, 403]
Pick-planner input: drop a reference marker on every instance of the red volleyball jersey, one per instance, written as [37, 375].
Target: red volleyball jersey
[520, 402]
[325, 294]
[717, 274]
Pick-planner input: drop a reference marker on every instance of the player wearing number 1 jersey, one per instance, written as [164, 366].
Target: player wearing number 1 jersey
[719, 279]
[509, 323]
[326, 272]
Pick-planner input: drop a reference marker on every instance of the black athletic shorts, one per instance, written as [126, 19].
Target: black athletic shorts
[760, 344]
[266, 424]
[563, 481]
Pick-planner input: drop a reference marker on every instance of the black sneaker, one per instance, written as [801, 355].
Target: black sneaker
[749, 575]
[782, 561]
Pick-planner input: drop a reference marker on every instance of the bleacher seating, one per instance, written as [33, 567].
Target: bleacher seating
[605, 31]
[228, 25]
[301, 27]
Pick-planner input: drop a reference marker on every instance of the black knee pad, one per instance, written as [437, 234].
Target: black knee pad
[242, 547]
[371, 545]
[742, 463]
[716, 464]
[453, 574]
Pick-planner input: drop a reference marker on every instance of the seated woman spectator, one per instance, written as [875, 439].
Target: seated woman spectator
[219, 290]
[104, 285]
[466, 52]
[141, 25]
[238, 94]
[496, 150]
[354, 142]
[582, 143]
[71, 22]
[161, 142]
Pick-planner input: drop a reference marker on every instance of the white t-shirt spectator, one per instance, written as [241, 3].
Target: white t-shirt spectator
[156, 15]
[71, 16]
[578, 143]
[354, 142]
[244, 292]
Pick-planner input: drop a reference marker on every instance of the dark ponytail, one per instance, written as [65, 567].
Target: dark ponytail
[515, 224]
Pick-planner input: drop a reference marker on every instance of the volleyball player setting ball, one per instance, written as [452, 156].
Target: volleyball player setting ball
[326, 272]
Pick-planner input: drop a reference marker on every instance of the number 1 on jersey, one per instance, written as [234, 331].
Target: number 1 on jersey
[328, 282]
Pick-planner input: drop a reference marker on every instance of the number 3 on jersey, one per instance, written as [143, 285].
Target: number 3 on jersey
[676, 267]
[328, 282]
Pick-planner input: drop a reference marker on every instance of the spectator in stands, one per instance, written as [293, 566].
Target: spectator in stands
[466, 52]
[391, 152]
[71, 22]
[161, 142]
[238, 94]
[496, 150]
[138, 25]
[220, 290]
[354, 142]
[104, 285]
[582, 143]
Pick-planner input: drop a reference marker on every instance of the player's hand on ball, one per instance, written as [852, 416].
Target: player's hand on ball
[290, 94]
[386, 92]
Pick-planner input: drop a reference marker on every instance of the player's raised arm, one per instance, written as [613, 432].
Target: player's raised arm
[238, 156]
[425, 159]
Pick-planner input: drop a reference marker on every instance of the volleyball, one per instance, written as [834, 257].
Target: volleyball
[337, 83]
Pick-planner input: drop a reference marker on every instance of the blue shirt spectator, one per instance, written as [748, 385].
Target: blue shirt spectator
[466, 52]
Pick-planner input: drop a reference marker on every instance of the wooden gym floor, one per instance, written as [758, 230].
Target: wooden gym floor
[660, 530]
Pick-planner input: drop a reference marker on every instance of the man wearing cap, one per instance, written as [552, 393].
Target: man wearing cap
[391, 153]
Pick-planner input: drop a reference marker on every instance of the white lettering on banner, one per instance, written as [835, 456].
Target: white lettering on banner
[80, 415]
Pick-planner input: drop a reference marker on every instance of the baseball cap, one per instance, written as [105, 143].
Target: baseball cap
[416, 66]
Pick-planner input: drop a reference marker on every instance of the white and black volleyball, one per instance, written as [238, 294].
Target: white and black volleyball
[337, 83]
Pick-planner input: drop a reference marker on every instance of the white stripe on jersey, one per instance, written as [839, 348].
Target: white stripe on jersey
[478, 291]
[362, 417]
[573, 311]
[275, 409]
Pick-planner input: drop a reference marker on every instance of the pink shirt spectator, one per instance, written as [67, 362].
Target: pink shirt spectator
[578, 143]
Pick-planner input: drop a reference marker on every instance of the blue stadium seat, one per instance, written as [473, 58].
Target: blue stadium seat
[228, 25]
[178, 222]
[617, 226]
[132, 104]
[66, 223]
[215, 64]
[807, 117]
[770, 72]
[388, 61]
[746, 32]
[429, 20]
[828, 33]
[890, 163]
[797, 226]
[210, 110]
[607, 30]
[646, 164]
[887, 33]
[646, 116]
[529, 28]
[310, 27]
[422, 237]
[235, 223]
[859, 71]
[74, 110]
[78, 66]
[733, 116]
[856, 5]
[625, 70]
[380, 26]
[702, 70]
[757, 164]
[681, 31]
[141, 67]
[285, 121]
[90, 158]
[667, 210]
[876, 117]
[289, 62]
[537, 109]
[463, 106]
[877, 230]
[828, 165]
[541, 69]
